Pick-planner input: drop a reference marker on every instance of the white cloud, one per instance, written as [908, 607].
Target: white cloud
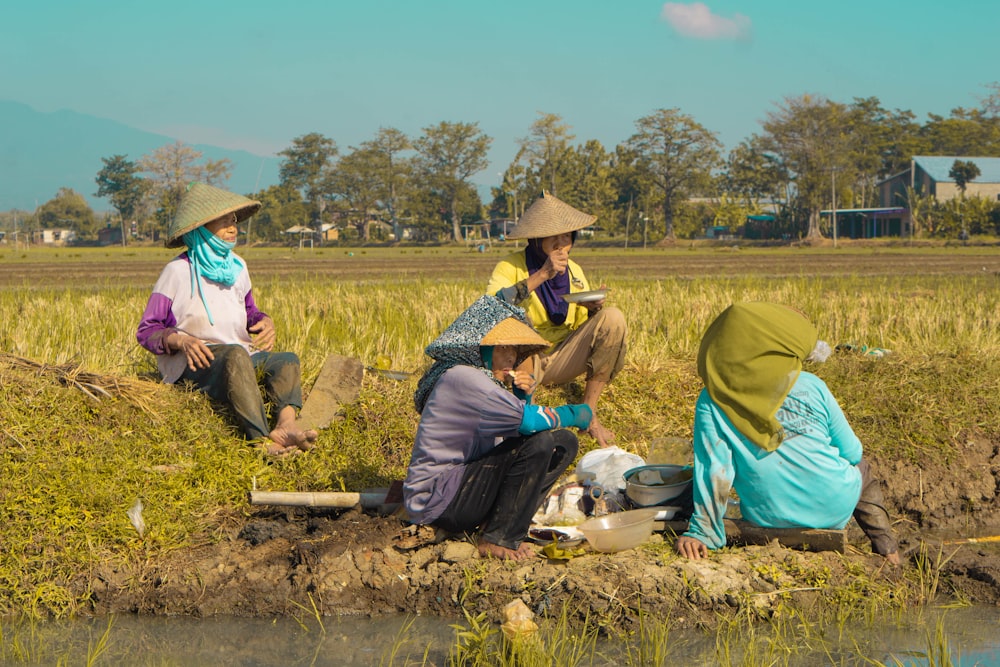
[697, 20]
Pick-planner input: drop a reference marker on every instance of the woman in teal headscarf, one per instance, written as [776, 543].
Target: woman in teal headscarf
[775, 434]
[204, 327]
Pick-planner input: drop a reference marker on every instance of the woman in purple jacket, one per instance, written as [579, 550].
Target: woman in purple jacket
[485, 457]
[204, 327]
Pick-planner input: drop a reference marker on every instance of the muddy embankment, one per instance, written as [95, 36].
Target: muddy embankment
[353, 563]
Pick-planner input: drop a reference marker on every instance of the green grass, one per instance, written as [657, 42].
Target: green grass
[72, 465]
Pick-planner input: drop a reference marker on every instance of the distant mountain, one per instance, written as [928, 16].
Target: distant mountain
[42, 152]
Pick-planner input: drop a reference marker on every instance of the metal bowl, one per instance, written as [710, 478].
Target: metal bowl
[651, 485]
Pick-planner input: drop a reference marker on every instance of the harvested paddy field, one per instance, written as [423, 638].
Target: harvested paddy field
[142, 266]
[76, 459]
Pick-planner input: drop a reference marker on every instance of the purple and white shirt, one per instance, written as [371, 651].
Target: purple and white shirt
[174, 306]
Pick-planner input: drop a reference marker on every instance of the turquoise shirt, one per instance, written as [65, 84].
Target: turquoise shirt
[810, 481]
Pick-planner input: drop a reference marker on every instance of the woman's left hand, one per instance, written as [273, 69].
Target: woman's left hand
[595, 306]
[263, 334]
[691, 548]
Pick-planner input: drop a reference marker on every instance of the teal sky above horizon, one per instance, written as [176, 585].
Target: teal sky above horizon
[254, 75]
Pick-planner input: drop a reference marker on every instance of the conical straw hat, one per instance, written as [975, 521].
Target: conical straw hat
[202, 204]
[550, 216]
[518, 334]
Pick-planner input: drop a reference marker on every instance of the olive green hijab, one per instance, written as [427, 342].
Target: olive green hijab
[750, 357]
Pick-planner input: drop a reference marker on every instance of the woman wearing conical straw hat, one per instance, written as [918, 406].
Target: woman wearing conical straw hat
[485, 456]
[203, 325]
[585, 338]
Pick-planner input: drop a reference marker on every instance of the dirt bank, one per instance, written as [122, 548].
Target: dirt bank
[279, 561]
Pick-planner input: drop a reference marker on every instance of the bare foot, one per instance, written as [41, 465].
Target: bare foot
[290, 436]
[309, 440]
[272, 448]
[598, 432]
[490, 550]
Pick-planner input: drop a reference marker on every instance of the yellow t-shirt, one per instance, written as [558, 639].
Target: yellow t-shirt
[513, 269]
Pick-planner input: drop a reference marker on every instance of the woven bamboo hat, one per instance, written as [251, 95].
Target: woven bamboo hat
[202, 204]
[550, 216]
[518, 334]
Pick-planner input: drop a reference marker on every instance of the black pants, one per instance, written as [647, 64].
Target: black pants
[502, 491]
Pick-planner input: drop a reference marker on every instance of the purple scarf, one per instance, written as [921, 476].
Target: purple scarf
[550, 292]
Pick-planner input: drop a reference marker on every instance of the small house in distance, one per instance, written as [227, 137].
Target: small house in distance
[58, 237]
[928, 175]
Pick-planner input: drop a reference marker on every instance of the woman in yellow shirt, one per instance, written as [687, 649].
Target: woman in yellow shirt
[588, 338]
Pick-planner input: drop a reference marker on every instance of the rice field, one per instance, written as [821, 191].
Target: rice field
[366, 303]
[72, 465]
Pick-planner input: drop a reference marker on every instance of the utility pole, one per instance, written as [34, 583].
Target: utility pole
[833, 209]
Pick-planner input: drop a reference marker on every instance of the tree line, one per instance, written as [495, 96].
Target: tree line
[669, 179]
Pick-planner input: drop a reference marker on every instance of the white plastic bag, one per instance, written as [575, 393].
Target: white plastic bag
[563, 507]
[606, 467]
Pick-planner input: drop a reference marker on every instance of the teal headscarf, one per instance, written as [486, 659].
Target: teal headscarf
[211, 258]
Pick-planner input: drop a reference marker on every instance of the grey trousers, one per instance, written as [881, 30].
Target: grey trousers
[871, 514]
[231, 380]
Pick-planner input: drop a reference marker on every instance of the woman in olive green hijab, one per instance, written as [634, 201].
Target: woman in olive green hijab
[775, 434]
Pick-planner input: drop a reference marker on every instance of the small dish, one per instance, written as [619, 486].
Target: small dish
[586, 297]
[565, 536]
[666, 513]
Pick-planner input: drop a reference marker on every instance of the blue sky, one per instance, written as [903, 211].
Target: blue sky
[254, 75]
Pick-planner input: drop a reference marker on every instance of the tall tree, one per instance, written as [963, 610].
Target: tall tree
[391, 171]
[587, 174]
[307, 167]
[963, 172]
[546, 147]
[679, 154]
[357, 184]
[965, 132]
[449, 154]
[119, 182]
[519, 185]
[751, 174]
[879, 143]
[68, 210]
[282, 208]
[990, 103]
[172, 168]
[810, 136]
[630, 182]
[882, 141]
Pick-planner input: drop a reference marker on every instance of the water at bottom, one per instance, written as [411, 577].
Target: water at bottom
[973, 638]
[222, 640]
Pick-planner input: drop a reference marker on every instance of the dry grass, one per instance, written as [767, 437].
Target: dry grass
[85, 430]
